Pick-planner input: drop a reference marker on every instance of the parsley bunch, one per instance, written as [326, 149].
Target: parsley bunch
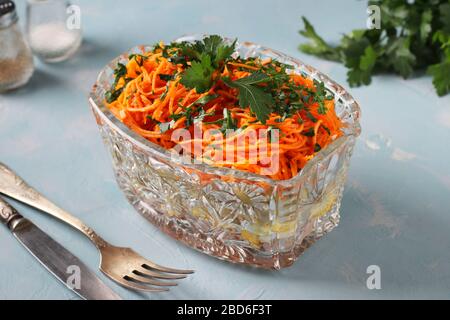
[414, 35]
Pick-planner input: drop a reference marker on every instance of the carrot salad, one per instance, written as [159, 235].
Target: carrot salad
[205, 86]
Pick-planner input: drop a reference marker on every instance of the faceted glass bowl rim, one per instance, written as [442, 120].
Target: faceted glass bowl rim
[97, 103]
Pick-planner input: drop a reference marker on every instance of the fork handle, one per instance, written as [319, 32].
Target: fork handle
[15, 187]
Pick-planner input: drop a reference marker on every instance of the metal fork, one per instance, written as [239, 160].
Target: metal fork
[122, 265]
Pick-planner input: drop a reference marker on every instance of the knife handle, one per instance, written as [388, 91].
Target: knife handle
[15, 187]
[9, 215]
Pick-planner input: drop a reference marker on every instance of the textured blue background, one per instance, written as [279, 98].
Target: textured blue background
[395, 211]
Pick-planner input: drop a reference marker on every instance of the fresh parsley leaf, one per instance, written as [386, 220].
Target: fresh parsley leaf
[199, 75]
[425, 24]
[444, 10]
[357, 77]
[224, 52]
[403, 60]
[250, 95]
[210, 46]
[353, 47]
[360, 71]
[368, 59]
[317, 46]
[441, 77]
[213, 46]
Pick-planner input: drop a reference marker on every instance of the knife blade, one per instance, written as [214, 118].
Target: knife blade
[54, 257]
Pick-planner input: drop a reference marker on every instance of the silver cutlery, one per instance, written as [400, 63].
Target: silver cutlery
[54, 257]
[122, 265]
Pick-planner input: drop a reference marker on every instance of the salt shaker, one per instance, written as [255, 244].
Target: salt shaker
[53, 28]
[16, 60]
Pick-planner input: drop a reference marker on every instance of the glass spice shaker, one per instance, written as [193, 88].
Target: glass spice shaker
[16, 60]
[53, 28]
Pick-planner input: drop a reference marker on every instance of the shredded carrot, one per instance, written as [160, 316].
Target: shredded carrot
[147, 102]
[242, 65]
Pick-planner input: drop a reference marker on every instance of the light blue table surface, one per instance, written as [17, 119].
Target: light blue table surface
[396, 206]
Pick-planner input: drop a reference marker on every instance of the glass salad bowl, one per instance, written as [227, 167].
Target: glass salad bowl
[229, 214]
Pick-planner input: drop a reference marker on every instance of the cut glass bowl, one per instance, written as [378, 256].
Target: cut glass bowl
[229, 214]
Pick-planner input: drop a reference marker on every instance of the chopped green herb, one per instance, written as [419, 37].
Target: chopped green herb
[228, 121]
[202, 114]
[205, 99]
[112, 95]
[120, 72]
[309, 132]
[311, 116]
[166, 91]
[186, 113]
[166, 77]
[192, 109]
[135, 56]
[320, 96]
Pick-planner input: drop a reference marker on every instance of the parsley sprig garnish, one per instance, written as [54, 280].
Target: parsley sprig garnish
[250, 94]
[199, 75]
[206, 56]
[261, 91]
[414, 35]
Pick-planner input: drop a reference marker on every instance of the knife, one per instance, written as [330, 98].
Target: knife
[54, 257]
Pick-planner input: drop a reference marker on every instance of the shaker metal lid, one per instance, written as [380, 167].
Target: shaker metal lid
[8, 13]
[6, 6]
